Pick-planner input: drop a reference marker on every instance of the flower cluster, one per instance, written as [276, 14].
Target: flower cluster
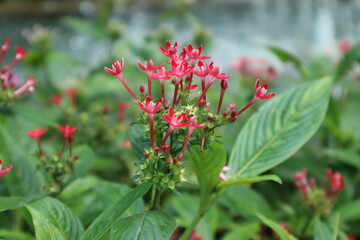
[320, 199]
[183, 118]
[11, 88]
[57, 165]
[254, 68]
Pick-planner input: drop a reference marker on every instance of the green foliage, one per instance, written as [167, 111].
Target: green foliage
[350, 57]
[247, 180]
[282, 233]
[280, 128]
[53, 220]
[150, 225]
[102, 224]
[9, 203]
[208, 165]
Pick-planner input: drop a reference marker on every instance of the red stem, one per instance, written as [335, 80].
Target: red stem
[247, 106]
[220, 100]
[149, 84]
[121, 78]
[151, 117]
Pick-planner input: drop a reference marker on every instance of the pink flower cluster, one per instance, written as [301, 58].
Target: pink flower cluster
[7, 78]
[255, 68]
[333, 183]
[4, 171]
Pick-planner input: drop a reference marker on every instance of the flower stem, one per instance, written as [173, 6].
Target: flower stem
[122, 80]
[151, 117]
[247, 106]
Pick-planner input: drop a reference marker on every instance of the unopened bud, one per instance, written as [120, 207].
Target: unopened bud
[142, 88]
[224, 84]
[106, 110]
[146, 155]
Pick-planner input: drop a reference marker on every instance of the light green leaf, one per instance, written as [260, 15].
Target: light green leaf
[285, 56]
[103, 223]
[34, 116]
[9, 203]
[151, 225]
[53, 220]
[247, 180]
[62, 70]
[350, 211]
[246, 231]
[208, 165]
[280, 128]
[321, 230]
[245, 202]
[282, 233]
[85, 161]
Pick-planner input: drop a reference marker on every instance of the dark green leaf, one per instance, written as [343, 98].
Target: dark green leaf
[151, 225]
[280, 128]
[9, 203]
[246, 231]
[103, 223]
[321, 230]
[282, 233]
[208, 165]
[350, 211]
[11, 234]
[346, 156]
[53, 220]
[347, 61]
[138, 142]
[285, 56]
[245, 202]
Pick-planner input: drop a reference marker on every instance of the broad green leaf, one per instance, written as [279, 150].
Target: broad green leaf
[53, 220]
[23, 179]
[285, 56]
[137, 139]
[321, 230]
[208, 165]
[245, 202]
[282, 233]
[9, 203]
[280, 128]
[246, 231]
[347, 61]
[61, 69]
[347, 156]
[88, 197]
[247, 180]
[152, 225]
[34, 116]
[350, 211]
[102, 224]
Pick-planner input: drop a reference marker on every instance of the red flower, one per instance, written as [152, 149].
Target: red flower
[169, 50]
[215, 72]
[5, 170]
[334, 182]
[260, 91]
[150, 107]
[148, 66]
[179, 70]
[37, 133]
[117, 67]
[161, 74]
[67, 130]
[301, 182]
[176, 122]
[20, 53]
[5, 46]
[351, 238]
[56, 99]
[195, 54]
[71, 93]
[345, 46]
[201, 70]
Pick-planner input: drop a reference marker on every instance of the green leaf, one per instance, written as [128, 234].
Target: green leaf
[347, 156]
[208, 165]
[280, 128]
[350, 211]
[53, 220]
[9, 203]
[247, 180]
[285, 56]
[244, 201]
[103, 223]
[246, 231]
[146, 226]
[137, 139]
[85, 161]
[282, 233]
[61, 69]
[347, 61]
[35, 116]
[321, 230]
[11, 234]
[88, 197]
